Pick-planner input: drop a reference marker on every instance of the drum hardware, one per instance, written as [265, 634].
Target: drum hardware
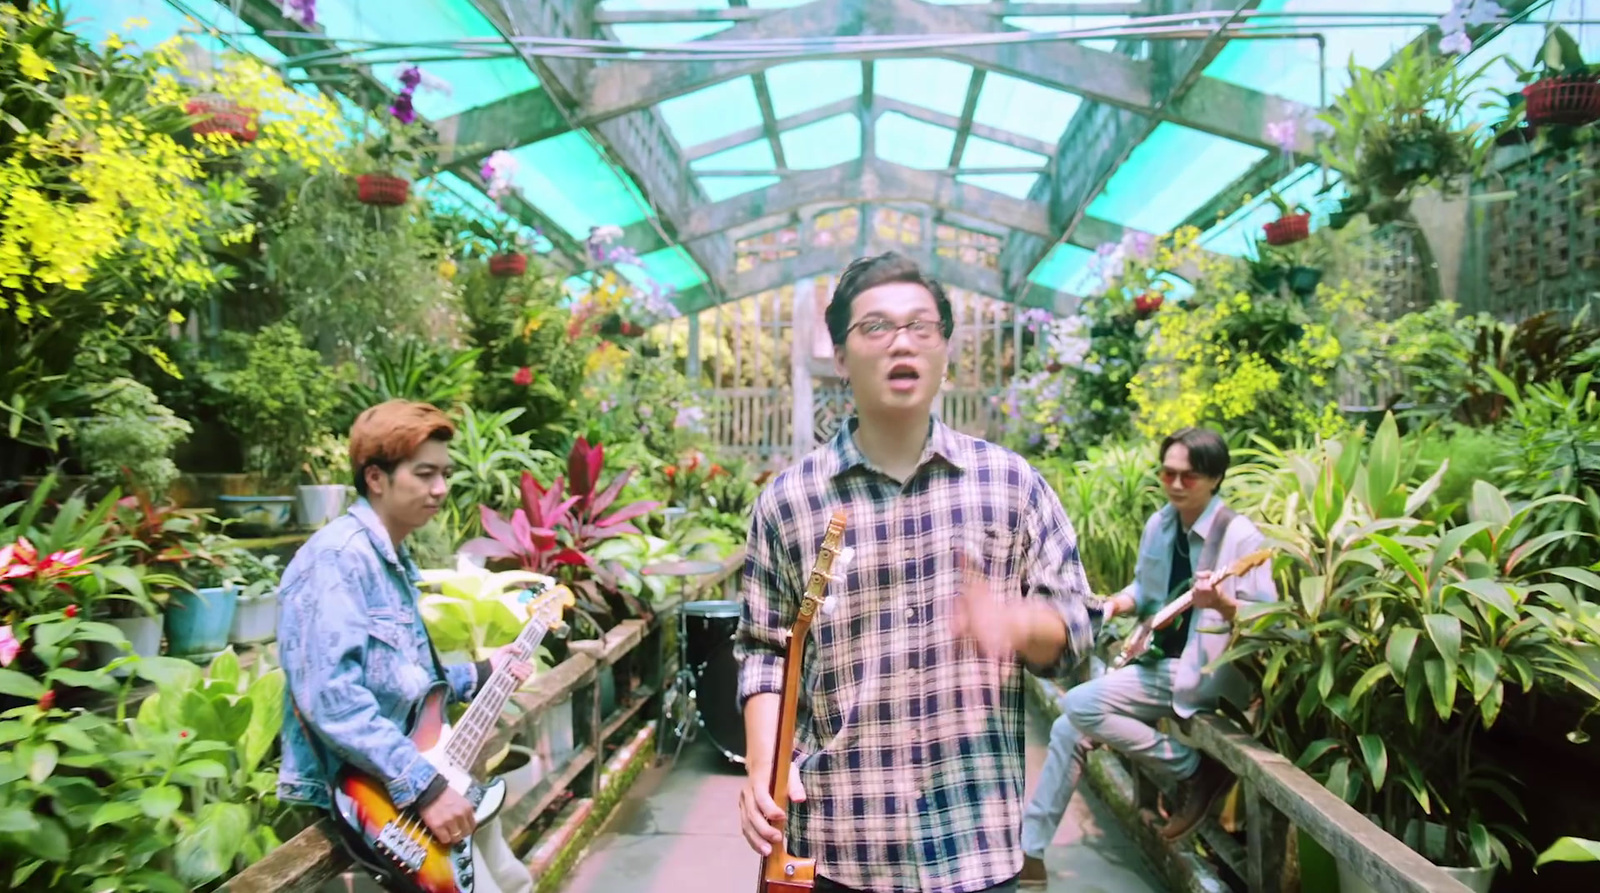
[704, 692]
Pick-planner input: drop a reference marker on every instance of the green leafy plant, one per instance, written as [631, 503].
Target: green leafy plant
[130, 439]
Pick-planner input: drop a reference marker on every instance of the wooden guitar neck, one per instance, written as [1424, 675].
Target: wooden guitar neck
[781, 872]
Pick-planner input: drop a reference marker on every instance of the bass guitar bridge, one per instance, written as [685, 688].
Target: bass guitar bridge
[397, 841]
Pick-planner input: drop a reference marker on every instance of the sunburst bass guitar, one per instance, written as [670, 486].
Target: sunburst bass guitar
[394, 843]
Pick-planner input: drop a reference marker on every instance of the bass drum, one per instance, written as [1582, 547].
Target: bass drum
[707, 642]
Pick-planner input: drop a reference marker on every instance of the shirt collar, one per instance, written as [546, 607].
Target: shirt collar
[1202, 524]
[943, 443]
[363, 512]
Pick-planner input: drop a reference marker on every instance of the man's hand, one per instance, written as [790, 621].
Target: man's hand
[980, 616]
[520, 669]
[1207, 595]
[759, 816]
[449, 818]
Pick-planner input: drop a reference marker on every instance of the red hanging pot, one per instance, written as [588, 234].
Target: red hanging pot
[224, 117]
[507, 265]
[1572, 103]
[382, 189]
[1288, 230]
[1149, 302]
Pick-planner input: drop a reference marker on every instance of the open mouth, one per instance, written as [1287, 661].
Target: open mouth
[903, 376]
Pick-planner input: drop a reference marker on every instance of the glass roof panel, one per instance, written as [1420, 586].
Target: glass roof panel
[913, 143]
[671, 267]
[754, 155]
[1024, 108]
[1072, 23]
[1288, 68]
[1066, 268]
[937, 84]
[822, 144]
[1014, 185]
[567, 179]
[667, 32]
[719, 188]
[473, 82]
[982, 152]
[802, 86]
[1169, 175]
[772, 4]
[447, 192]
[629, 5]
[148, 23]
[713, 112]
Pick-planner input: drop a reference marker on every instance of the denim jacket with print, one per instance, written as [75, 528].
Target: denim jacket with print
[357, 660]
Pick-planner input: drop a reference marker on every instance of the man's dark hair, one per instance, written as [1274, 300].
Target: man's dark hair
[1208, 452]
[870, 272]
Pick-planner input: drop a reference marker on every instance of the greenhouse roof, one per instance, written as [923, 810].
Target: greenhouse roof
[691, 124]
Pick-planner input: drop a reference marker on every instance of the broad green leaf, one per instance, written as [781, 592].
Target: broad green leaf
[42, 761]
[1313, 589]
[1403, 560]
[1315, 752]
[17, 821]
[1383, 465]
[224, 671]
[195, 770]
[160, 802]
[86, 679]
[48, 634]
[1442, 685]
[1492, 703]
[1371, 677]
[266, 718]
[1422, 494]
[72, 736]
[1339, 781]
[1482, 852]
[1377, 757]
[1415, 783]
[49, 841]
[205, 851]
[1577, 575]
[1492, 594]
[1489, 505]
[19, 685]
[94, 631]
[1445, 631]
[1402, 643]
[1449, 544]
[114, 812]
[169, 672]
[1484, 669]
[1416, 686]
[25, 871]
[1570, 849]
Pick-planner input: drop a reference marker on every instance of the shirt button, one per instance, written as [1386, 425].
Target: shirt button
[911, 613]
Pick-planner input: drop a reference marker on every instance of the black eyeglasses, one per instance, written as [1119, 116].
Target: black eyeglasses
[879, 331]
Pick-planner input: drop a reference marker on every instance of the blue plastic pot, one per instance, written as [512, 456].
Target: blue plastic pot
[198, 622]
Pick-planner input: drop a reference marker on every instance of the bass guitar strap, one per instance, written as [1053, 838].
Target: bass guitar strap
[1213, 545]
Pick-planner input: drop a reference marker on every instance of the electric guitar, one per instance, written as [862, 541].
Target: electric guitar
[781, 872]
[394, 843]
[1139, 640]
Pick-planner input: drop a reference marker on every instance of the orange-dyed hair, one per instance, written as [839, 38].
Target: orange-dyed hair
[390, 433]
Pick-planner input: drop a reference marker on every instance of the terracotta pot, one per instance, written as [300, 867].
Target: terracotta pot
[224, 117]
[1288, 230]
[507, 265]
[382, 189]
[1572, 103]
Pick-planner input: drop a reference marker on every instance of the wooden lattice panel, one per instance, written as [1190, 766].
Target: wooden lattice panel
[840, 227]
[1397, 266]
[766, 247]
[967, 246]
[1541, 249]
[899, 227]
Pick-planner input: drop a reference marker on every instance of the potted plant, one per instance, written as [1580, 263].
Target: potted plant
[217, 114]
[255, 620]
[198, 620]
[394, 160]
[508, 247]
[325, 498]
[1293, 224]
[1561, 89]
[130, 439]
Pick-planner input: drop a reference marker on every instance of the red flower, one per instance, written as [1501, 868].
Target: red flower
[47, 700]
[71, 611]
[523, 377]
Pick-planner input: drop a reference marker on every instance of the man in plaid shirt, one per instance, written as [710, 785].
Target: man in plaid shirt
[909, 769]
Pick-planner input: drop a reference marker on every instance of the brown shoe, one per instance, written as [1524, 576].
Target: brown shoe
[1196, 795]
[1034, 875]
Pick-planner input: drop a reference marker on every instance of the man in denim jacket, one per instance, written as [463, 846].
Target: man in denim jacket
[354, 649]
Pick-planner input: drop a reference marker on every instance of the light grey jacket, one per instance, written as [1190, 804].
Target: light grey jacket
[1194, 690]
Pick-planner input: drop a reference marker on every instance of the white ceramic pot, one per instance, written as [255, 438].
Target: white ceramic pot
[1476, 879]
[144, 634]
[256, 620]
[317, 504]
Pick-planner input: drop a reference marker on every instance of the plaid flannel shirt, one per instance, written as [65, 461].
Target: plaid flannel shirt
[910, 746]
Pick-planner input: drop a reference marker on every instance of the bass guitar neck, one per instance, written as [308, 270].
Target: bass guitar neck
[781, 872]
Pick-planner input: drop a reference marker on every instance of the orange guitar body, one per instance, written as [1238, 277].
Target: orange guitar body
[781, 872]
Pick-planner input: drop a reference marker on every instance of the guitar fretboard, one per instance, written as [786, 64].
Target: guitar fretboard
[480, 719]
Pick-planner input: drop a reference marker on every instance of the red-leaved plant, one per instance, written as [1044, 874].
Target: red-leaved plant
[553, 533]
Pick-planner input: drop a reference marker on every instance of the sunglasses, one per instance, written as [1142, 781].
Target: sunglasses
[1189, 478]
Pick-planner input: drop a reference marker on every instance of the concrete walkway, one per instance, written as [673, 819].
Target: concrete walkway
[679, 830]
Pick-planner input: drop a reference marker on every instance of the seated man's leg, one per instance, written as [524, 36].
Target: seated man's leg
[499, 869]
[1063, 767]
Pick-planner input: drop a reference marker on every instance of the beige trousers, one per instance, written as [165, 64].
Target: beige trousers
[498, 868]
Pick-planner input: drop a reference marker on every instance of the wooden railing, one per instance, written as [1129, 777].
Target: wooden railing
[1277, 799]
[313, 856]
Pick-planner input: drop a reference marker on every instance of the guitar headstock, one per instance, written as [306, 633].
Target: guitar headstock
[1249, 562]
[547, 605]
[830, 552]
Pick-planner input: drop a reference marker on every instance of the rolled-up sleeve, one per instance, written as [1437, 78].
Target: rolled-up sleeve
[769, 603]
[1053, 572]
[322, 641]
[1256, 585]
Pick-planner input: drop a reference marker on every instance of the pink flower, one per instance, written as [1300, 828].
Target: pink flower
[9, 646]
[523, 377]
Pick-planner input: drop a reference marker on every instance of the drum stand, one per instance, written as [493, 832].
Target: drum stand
[680, 716]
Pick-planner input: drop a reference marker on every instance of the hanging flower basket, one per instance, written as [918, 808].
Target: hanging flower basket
[1148, 303]
[223, 116]
[382, 189]
[508, 265]
[1568, 102]
[1289, 230]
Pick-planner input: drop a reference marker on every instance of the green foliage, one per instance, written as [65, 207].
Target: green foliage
[131, 438]
[517, 324]
[1109, 495]
[279, 401]
[418, 370]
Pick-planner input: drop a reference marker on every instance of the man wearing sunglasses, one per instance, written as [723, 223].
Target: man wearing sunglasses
[1182, 544]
